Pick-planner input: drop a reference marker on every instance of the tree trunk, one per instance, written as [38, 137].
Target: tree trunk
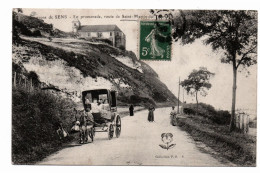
[233, 108]
[197, 109]
[178, 110]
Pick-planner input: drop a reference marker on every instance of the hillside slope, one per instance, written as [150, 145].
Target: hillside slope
[75, 65]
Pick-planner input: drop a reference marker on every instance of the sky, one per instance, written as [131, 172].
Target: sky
[185, 58]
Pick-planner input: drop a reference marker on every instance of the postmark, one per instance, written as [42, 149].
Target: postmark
[155, 40]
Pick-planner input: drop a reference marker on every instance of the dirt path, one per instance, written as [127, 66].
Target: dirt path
[137, 145]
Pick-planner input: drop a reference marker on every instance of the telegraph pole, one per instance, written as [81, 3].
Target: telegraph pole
[178, 110]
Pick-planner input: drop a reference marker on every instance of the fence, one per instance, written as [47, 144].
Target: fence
[242, 122]
[20, 80]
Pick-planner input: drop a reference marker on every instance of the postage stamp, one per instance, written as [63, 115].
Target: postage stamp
[155, 40]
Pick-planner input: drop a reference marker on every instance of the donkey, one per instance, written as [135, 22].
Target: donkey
[83, 120]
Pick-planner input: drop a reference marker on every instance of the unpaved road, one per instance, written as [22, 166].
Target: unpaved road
[137, 145]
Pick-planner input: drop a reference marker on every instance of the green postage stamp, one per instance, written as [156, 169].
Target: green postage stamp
[155, 40]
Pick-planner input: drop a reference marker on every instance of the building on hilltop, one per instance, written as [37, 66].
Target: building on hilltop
[100, 32]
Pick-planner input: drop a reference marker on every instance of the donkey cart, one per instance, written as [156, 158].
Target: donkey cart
[102, 105]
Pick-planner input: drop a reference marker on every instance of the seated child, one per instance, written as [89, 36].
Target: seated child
[95, 107]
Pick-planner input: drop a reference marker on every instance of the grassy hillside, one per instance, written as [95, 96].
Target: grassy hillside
[141, 84]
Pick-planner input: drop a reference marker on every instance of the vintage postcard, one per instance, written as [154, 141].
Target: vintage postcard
[134, 87]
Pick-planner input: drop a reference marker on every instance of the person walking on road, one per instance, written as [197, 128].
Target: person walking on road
[151, 109]
[131, 110]
[173, 116]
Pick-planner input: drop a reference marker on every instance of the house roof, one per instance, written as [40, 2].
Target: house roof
[99, 28]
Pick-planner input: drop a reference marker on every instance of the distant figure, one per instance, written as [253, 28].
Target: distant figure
[151, 109]
[50, 39]
[131, 110]
[173, 116]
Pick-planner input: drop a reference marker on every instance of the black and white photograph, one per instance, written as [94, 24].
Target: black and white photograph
[134, 87]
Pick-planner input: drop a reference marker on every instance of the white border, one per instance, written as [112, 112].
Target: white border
[6, 19]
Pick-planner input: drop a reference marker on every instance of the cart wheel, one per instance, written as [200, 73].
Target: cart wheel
[110, 131]
[118, 126]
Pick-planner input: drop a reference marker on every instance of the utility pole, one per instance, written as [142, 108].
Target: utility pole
[178, 110]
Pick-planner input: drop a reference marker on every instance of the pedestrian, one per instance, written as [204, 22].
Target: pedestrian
[151, 109]
[131, 110]
[173, 116]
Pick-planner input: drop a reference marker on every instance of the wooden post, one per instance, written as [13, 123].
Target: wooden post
[15, 79]
[178, 110]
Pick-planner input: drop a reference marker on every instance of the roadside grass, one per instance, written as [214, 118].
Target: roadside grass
[236, 147]
[34, 115]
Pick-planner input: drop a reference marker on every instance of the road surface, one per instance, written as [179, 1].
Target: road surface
[137, 145]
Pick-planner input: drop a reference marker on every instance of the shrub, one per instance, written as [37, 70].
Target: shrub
[189, 111]
[144, 100]
[121, 47]
[159, 97]
[208, 111]
[221, 117]
[34, 115]
[36, 33]
[135, 99]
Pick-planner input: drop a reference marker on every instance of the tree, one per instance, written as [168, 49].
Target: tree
[234, 32]
[33, 14]
[197, 82]
[19, 10]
